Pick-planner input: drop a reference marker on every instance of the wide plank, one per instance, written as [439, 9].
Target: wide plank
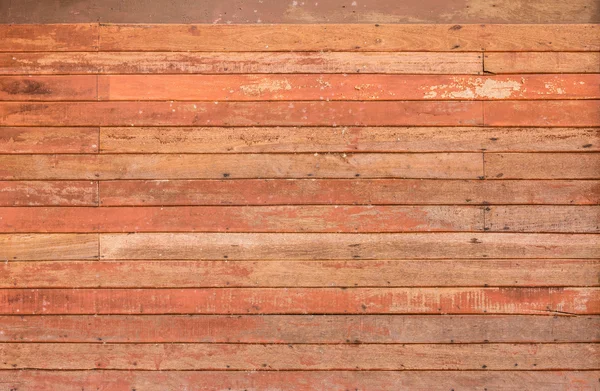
[346, 246]
[155, 357]
[346, 191]
[123, 166]
[46, 140]
[344, 139]
[48, 88]
[243, 219]
[584, 219]
[40, 193]
[48, 37]
[240, 62]
[542, 165]
[40, 380]
[542, 62]
[354, 329]
[542, 113]
[289, 273]
[417, 113]
[24, 247]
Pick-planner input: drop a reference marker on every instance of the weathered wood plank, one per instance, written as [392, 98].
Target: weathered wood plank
[247, 113]
[232, 63]
[48, 140]
[39, 193]
[243, 219]
[288, 273]
[48, 246]
[48, 37]
[45, 88]
[300, 329]
[347, 246]
[542, 165]
[542, 62]
[347, 191]
[38, 380]
[119, 166]
[542, 113]
[345, 139]
[300, 357]
[349, 37]
[543, 218]
[346, 87]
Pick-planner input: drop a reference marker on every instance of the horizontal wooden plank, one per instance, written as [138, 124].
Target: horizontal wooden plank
[43, 88]
[542, 113]
[244, 113]
[537, 301]
[38, 380]
[345, 87]
[349, 37]
[38, 193]
[48, 140]
[231, 63]
[287, 273]
[48, 37]
[24, 247]
[346, 246]
[243, 219]
[299, 357]
[300, 329]
[542, 165]
[543, 218]
[542, 62]
[347, 191]
[344, 139]
[430, 165]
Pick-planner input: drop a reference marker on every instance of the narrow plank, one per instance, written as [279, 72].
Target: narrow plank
[48, 37]
[287, 273]
[345, 139]
[542, 113]
[45, 88]
[542, 165]
[542, 62]
[38, 380]
[48, 246]
[232, 63]
[347, 191]
[48, 140]
[246, 113]
[346, 87]
[431, 165]
[349, 37]
[300, 329]
[157, 357]
[543, 218]
[39, 193]
[243, 219]
[346, 246]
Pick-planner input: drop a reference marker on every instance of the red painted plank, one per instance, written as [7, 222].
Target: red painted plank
[48, 140]
[542, 113]
[48, 37]
[39, 193]
[34, 88]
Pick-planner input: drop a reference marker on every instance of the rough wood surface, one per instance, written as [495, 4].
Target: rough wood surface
[542, 165]
[543, 218]
[27, 140]
[40, 193]
[542, 62]
[48, 88]
[49, 37]
[23, 247]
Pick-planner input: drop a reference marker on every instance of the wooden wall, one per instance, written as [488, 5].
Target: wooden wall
[299, 207]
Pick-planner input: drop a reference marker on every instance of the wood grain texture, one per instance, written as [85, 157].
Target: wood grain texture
[239, 62]
[347, 191]
[46, 140]
[346, 246]
[542, 113]
[45, 88]
[123, 166]
[542, 165]
[248, 113]
[243, 219]
[300, 357]
[345, 87]
[543, 218]
[289, 273]
[49, 37]
[40, 193]
[285, 329]
[39, 380]
[542, 62]
[345, 139]
[42, 246]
